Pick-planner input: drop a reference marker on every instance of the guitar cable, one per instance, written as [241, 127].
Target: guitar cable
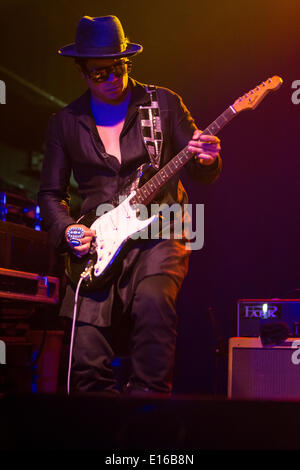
[83, 276]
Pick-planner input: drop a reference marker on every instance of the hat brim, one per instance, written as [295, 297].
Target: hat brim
[70, 51]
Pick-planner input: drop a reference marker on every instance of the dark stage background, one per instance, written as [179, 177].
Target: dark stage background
[210, 53]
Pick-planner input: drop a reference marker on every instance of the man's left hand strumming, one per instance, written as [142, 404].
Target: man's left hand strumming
[206, 148]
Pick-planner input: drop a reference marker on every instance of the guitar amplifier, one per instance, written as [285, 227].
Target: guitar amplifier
[25, 249]
[31, 287]
[252, 313]
[263, 372]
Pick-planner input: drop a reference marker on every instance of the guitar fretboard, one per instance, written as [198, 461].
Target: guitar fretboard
[146, 193]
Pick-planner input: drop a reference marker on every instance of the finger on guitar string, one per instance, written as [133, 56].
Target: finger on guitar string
[205, 159]
[197, 147]
[208, 138]
[211, 146]
[204, 151]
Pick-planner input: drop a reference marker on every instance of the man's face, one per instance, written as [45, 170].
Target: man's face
[110, 90]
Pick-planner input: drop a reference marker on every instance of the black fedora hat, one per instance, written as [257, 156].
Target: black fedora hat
[100, 37]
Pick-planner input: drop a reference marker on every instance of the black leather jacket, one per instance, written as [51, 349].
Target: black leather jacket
[73, 143]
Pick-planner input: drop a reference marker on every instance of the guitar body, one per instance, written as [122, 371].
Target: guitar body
[114, 229]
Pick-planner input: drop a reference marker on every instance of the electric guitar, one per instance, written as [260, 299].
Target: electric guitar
[115, 227]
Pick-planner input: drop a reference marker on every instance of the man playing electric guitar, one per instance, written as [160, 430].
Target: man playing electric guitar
[99, 137]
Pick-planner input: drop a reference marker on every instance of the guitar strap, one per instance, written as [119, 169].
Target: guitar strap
[151, 127]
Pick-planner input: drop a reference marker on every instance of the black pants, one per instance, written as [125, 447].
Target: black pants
[153, 342]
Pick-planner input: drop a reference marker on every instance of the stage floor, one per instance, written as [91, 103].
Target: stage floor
[178, 423]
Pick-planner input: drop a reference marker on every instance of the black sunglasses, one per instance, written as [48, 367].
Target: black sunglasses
[102, 74]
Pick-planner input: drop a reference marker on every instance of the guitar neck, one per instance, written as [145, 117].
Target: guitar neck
[146, 193]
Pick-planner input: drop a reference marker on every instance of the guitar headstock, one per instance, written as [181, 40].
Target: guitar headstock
[251, 99]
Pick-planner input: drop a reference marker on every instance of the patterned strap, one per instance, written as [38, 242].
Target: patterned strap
[151, 127]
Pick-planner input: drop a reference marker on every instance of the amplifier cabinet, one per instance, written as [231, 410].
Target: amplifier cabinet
[251, 313]
[25, 249]
[24, 286]
[263, 372]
